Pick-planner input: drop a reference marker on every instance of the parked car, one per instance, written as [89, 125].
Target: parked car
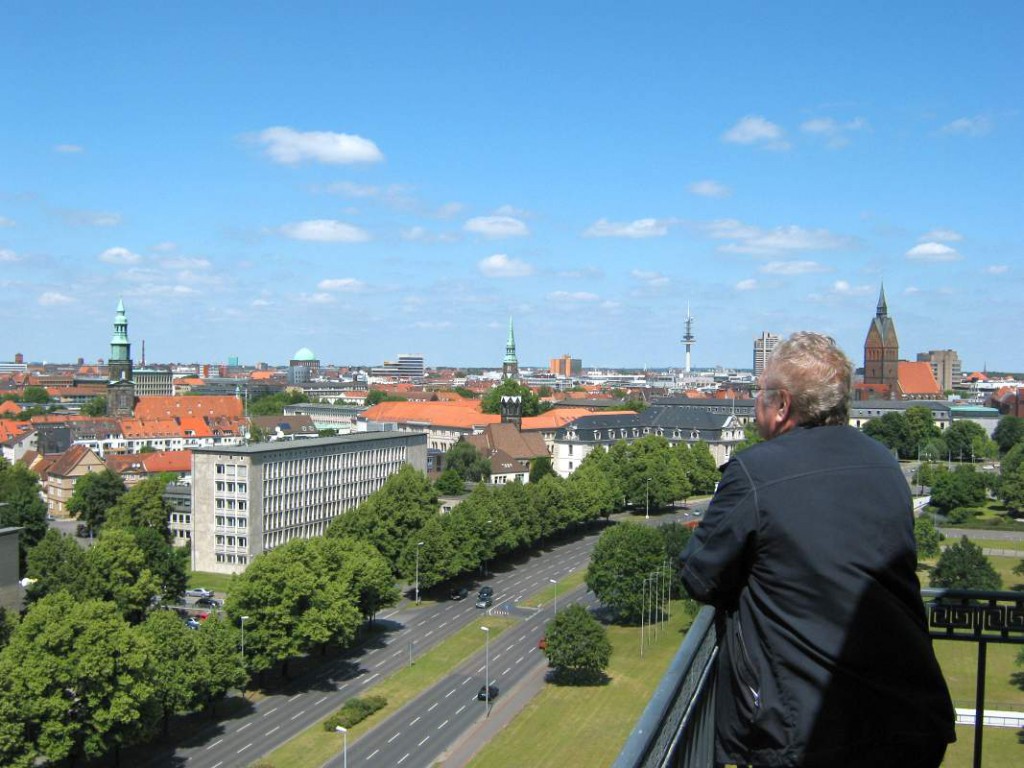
[484, 602]
[208, 602]
[486, 591]
[192, 623]
[198, 592]
[487, 693]
[542, 644]
[82, 531]
[461, 593]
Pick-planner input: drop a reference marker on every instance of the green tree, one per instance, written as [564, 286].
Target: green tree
[1011, 487]
[179, 671]
[638, 406]
[375, 396]
[676, 538]
[893, 431]
[364, 571]
[8, 621]
[450, 483]
[95, 407]
[465, 459]
[963, 487]
[33, 394]
[964, 566]
[94, 495]
[143, 506]
[540, 467]
[389, 517]
[221, 663]
[491, 401]
[76, 681]
[55, 563]
[750, 437]
[273, 404]
[923, 429]
[117, 571]
[625, 555]
[653, 473]
[966, 440]
[927, 536]
[22, 507]
[1008, 433]
[436, 555]
[578, 647]
[168, 564]
[596, 484]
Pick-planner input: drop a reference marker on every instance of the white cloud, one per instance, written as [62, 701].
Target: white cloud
[791, 268]
[422, 235]
[709, 188]
[448, 210]
[8, 256]
[754, 130]
[325, 231]
[90, 218]
[165, 247]
[940, 236]
[52, 298]
[288, 146]
[997, 269]
[500, 265]
[835, 133]
[346, 284]
[969, 126]
[511, 210]
[756, 241]
[318, 298]
[746, 285]
[260, 303]
[843, 288]
[5, 222]
[68, 149]
[652, 279]
[119, 256]
[573, 296]
[185, 262]
[932, 252]
[496, 226]
[633, 229]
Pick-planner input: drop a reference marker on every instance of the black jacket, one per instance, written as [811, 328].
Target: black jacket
[808, 552]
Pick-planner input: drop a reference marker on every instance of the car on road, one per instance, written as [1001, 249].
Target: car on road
[208, 602]
[198, 592]
[487, 693]
[484, 602]
[542, 644]
[460, 593]
[486, 591]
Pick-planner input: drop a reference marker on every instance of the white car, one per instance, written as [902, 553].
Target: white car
[198, 592]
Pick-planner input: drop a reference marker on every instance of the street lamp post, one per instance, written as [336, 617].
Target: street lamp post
[487, 668]
[344, 749]
[418, 545]
[556, 593]
[647, 515]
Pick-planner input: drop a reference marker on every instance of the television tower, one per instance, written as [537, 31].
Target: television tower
[688, 338]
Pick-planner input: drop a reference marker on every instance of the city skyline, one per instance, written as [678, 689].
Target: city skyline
[365, 182]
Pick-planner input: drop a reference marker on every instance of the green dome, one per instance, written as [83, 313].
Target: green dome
[304, 354]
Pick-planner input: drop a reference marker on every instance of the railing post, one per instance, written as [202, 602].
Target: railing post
[979, 703]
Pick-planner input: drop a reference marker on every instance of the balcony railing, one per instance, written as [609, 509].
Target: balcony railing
[677, 727]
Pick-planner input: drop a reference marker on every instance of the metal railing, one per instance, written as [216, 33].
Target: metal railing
[677, 727]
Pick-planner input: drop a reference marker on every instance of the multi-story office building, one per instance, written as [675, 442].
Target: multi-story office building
[153, 382]
[945, 365]
[251, 499]
[763, 347]
[566, 366]
[407, 368]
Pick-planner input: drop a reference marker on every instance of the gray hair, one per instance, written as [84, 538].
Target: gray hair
[817, 375]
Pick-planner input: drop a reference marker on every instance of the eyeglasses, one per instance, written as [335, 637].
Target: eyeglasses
[758, 390]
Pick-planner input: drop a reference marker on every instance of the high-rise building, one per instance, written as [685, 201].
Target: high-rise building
[945, 365]
[510, 365]
[566, 366]
[411, 367]
[120, 385]
[882, 348]
[250, 499]
[764, 345]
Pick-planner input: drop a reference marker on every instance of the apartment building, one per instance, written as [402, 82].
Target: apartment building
[251, 499]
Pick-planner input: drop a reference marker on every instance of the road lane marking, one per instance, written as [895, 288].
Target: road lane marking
[372, 754]
[340, 688]
[402, 759]
[449, 693]
[300, 714]
[381, 664]
[433, 706]
[243, 727]
[429, 633]
[266, 714]
[218, 741]
[218, 765]
[276, 727]
[459, 710]
[415, 721]
[321, 701]
[293, 698]
[520, 659]
[244, 748]
[375, 674]
[507, 671]
[423, 742]
[397, 734]
[466, 680]
[442, 725]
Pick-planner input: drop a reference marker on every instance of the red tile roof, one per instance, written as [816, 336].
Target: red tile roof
[204, 405]
[916, 378]
[9, 406]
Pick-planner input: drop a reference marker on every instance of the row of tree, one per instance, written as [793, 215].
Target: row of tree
[913, 434]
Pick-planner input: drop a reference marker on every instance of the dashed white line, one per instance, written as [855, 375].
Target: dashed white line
[466, 680]
[372, 754]
[415, 721]
[243, 727]
[218, 741]
[399, 733]
[423, 742]
[380, 664]
[402, 759]
[293, 698]
[433, 706]
[272, 730]
[367, 680]
[320, 701]
[442, 725]
[341, 687]
[429, 633]
[244, 748]
[507, 671]
[302, 712]
[218, 765]
[519, 660]
[449, 693]
[266, 714]
[459, 710]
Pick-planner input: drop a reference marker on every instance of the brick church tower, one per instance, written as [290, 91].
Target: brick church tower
[882, 348]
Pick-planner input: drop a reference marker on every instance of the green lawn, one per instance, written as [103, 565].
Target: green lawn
[567, 725]
[218, 582]
[570, 582]
[1001, 747]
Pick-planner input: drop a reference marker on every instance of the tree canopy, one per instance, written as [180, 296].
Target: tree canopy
[964, 566]
[1008, 433]
[21, 506]
[578, 647]
[464, 458]
[625, 555]
[532, 406]
[94, 495]
[963, 487]
[375, 396]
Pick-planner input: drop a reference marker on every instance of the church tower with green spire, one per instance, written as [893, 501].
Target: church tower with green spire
[510, 365]
[121, 385]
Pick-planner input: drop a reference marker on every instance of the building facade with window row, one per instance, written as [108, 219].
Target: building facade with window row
[251, 499]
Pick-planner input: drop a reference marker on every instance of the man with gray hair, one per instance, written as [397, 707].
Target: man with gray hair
[807, 551]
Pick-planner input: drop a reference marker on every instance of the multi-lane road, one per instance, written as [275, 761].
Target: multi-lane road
[275, 719]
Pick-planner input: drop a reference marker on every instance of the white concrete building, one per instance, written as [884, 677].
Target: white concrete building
[250, 499]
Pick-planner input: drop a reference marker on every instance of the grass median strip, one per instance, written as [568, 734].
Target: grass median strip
[314, 746]
[564, 586]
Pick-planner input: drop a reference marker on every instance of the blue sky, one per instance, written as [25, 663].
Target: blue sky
[368, 179]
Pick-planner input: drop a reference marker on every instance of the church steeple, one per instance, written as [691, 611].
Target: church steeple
[510, 365]
[883, 309]
[121, 385]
